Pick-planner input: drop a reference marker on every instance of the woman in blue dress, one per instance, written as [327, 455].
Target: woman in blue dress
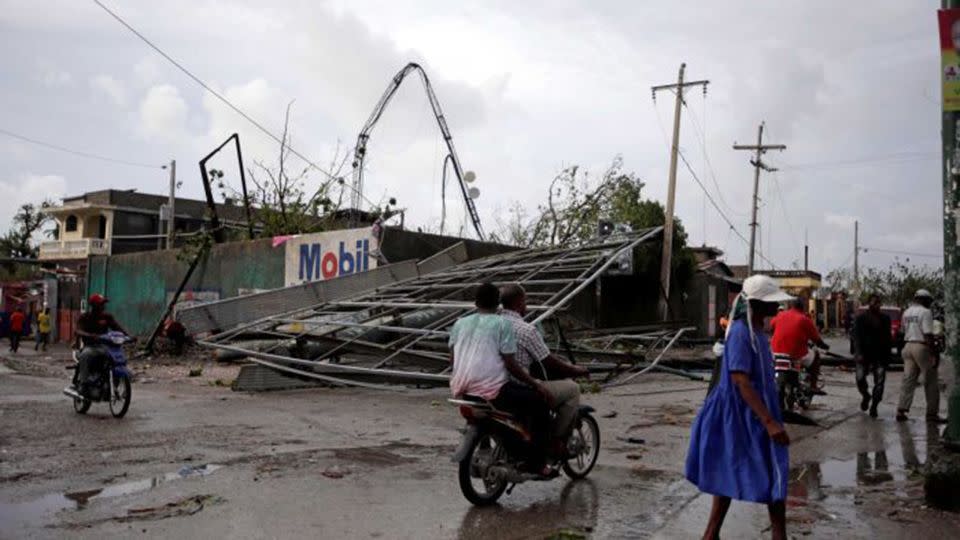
[738, 445]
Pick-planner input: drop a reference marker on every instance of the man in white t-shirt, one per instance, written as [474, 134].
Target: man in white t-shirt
[920, 356]
[483, 349]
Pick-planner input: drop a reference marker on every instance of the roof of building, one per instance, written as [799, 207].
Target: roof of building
[740, 271]
[131, 198]
[706, 253]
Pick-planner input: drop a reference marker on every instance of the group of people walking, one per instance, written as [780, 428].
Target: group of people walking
[738, 444]
[18, 323]
[872, 342]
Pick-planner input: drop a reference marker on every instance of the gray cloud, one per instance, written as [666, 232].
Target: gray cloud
[526, 87]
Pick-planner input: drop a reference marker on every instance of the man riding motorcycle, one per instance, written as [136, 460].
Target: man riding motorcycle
[92, 324]
[551, 369]
[793, 331]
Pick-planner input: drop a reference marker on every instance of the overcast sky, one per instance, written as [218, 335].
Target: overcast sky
[527, 87]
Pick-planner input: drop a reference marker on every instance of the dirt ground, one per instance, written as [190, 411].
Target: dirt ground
[192, 458]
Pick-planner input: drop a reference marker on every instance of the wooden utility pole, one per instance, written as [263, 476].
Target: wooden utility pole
[171, 206]
[856, 261]
[758, 164]
[666, 259]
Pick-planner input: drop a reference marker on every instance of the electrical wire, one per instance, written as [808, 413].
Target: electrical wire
[905, 253]
[719, 210]
[786, 215]
[701, 134]
[227, 102]
[897, 158]
[79, 153]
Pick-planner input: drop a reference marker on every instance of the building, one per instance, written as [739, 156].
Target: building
[115, 221]
[711, 293]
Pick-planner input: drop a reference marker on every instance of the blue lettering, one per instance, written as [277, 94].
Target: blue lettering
[366, 255]
[346, 262]
[309, 261]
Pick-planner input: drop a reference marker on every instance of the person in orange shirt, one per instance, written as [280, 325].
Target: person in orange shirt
[16, 328]
[793, 331]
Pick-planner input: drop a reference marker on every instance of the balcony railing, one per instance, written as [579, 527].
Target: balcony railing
[74, 249]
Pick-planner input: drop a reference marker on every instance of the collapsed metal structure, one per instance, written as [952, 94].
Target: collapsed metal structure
[397, 332]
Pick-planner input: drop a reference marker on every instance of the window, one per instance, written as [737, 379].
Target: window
[71, 224]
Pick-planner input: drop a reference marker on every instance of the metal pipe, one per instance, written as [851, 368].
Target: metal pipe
[412, 375]
[595, 275]
[655, 361]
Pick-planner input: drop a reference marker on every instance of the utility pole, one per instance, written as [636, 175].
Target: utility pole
[950, 133]
[856, 261]
[758, 164]
[806, 251]
[171, 206]
[666, 258]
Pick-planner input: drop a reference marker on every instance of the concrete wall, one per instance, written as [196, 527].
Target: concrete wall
[139, 285]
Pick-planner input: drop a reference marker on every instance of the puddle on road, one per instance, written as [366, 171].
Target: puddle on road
[836, 490]
[13, 516]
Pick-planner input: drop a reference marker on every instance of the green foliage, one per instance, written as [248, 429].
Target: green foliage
[896, 284]
[19, 243]
[575, 206]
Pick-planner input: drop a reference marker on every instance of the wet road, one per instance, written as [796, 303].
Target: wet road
[192, 460]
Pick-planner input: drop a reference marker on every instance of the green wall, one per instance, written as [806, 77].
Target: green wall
[139, 284]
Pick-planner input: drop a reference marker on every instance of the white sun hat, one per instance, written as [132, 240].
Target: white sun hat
[765, 289]
[922, 293]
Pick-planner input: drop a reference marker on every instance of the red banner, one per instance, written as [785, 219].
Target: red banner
[949, 20]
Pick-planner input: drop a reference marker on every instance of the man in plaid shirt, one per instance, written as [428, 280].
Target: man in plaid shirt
[532, 349]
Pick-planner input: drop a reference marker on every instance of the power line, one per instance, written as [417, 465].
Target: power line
[224, 100]
[905, 253]
[701, 133]
[900, 157]
[79, 153]
[786, 215]
[718, 209]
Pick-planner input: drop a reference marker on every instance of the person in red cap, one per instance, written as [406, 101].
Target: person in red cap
[92, 324]
[17, 318]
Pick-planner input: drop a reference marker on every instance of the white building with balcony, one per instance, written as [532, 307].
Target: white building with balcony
[122, 221]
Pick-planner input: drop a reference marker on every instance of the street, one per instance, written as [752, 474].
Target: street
[195, 459]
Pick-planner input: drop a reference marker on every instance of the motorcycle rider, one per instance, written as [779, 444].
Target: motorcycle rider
[553, 370]
[92, 324]
[483, 349]
[793, 330]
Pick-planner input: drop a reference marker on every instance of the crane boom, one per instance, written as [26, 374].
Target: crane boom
[360, 150]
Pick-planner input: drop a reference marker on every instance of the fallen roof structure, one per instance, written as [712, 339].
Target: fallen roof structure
[397, 331]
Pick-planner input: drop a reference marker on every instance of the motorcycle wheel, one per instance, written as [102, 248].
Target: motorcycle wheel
[477, 483]
[586, 439]
[81, 406]
[120, 396]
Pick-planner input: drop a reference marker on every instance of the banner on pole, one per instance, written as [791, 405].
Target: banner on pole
[949, 20]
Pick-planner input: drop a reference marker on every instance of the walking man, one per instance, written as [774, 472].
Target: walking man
[43, 330]
[16, 328]
[872, 341]
[920, 357]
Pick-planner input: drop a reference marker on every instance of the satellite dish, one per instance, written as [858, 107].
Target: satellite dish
[469, 176]
[474, 193]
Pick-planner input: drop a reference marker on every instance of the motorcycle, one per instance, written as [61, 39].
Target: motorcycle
[111, 383]
[794, 382]
[494, 444]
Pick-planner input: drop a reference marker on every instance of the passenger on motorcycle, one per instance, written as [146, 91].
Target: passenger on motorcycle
[551, 369]
[483, 348]
[92, 324]
[793, 331]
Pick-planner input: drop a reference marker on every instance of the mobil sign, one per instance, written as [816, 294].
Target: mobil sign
[328, 255]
